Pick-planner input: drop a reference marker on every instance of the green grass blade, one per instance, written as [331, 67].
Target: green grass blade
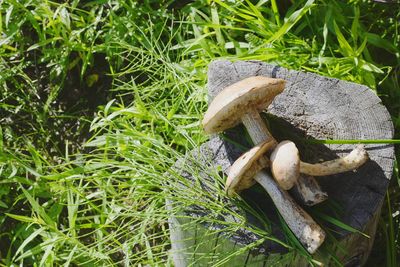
[274, 8]
[351, 142]
[29, 239]
[291, 21]
[38, 208]
[346, 49]
[341, 224]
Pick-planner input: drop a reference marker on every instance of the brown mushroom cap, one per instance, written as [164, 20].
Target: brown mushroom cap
[241, 173]
[229, 105]
[285, 164]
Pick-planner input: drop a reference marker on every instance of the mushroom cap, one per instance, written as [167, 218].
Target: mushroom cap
[285, 164]
[227, 108]
[241, 173]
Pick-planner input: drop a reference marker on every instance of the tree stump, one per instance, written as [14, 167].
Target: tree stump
[311, 107]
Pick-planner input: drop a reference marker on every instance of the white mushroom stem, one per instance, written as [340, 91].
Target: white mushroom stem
[352, 161]
[308, 190]
[256, 127]
[300, 222]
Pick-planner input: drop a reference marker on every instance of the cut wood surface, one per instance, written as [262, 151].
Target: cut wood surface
[312, 107]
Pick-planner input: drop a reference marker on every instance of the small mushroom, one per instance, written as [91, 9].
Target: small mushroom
[247, 170]
[286, 165]
[245, 167]
[242, 102]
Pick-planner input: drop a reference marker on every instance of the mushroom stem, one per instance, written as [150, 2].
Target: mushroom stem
[308, 190]
[256, 127]
[352, 161]
[300, 222]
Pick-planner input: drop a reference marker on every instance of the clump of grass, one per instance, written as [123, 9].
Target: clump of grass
[100, 99]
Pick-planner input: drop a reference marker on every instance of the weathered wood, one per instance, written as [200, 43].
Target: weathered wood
[311, 106]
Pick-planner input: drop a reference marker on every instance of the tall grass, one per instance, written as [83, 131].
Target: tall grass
[99, 100]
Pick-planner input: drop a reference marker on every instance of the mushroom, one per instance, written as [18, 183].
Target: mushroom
[242, 102]
[247, 170]
[286, 165]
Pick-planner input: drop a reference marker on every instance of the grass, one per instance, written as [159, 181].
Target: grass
[100, 98]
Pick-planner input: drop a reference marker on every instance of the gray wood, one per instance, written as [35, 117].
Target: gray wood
[312, 106]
